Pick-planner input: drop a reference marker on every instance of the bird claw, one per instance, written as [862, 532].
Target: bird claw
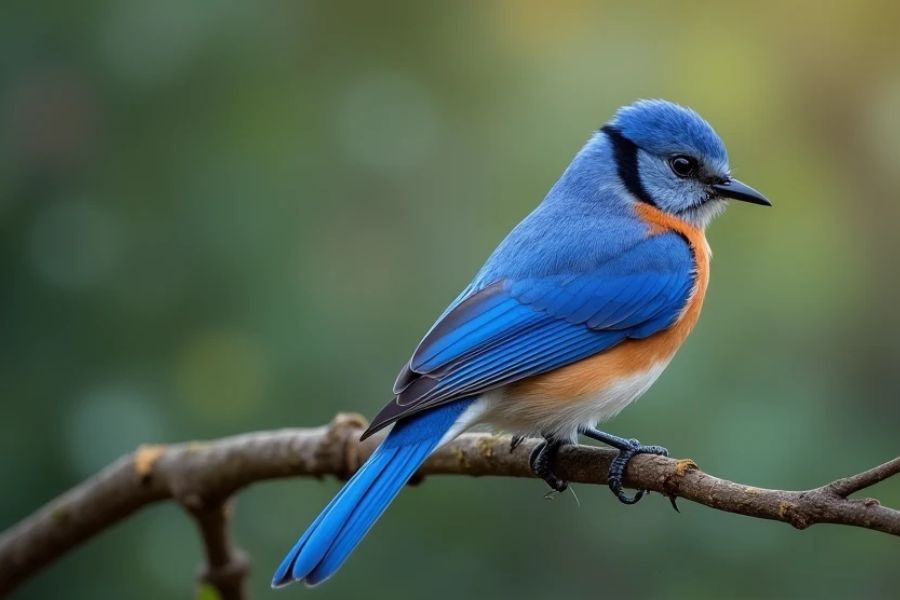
[543, 458]
[542, 461]
[627, 451]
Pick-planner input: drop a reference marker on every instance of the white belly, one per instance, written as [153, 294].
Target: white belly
[563, 418]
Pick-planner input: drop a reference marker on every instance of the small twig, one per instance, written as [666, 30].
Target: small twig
[848, 485]
[202, 476]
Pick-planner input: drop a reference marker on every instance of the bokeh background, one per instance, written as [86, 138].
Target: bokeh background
[223, 217]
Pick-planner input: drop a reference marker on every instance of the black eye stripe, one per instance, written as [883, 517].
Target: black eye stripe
[625, 153]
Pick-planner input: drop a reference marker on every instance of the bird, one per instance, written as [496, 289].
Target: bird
[573, 317]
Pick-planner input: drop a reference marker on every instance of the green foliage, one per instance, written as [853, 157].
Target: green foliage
[207, 592]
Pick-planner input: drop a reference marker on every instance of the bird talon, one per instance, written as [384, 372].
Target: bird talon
[628, 449]
[615, 484]
[542, 461]
[657, 450]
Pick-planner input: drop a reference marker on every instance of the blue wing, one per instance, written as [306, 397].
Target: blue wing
[510, 330]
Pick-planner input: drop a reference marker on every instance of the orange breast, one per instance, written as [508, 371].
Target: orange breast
[631, 357]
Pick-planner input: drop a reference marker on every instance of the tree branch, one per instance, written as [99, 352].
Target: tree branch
[226, 566]
[202, 476]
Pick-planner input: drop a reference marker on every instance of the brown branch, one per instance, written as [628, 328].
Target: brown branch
[226, 567]
[202, 476]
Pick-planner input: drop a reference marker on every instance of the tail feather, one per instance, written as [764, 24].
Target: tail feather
[340, 527]
[324, 534]
[377, 499]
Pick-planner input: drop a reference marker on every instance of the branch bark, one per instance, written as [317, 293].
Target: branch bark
[202, 476]
[226, 567]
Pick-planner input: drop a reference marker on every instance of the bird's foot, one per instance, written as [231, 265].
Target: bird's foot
[619, 464]
[628, 449]
[542, 461]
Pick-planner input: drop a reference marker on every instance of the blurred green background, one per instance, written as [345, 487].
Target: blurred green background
[222, 217]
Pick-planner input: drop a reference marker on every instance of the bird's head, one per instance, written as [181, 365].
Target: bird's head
[669, 156]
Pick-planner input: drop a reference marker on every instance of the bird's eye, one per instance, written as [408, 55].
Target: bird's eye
[683, 166]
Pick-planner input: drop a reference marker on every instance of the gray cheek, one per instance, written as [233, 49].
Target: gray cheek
[668, 191]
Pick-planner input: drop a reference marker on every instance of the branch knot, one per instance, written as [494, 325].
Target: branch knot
[342, 446]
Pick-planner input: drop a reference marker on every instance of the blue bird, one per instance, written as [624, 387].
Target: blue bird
[572, 318]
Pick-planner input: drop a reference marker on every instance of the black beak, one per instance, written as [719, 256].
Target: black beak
[736, 190]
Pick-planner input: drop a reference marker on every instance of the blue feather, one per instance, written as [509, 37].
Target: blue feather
[376, 501]
[660, 127]
[508, 331]
[327, 543]
[511, 318]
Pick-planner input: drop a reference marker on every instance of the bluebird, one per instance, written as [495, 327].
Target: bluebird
[573, 317]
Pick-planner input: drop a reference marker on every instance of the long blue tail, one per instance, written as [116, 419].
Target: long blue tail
[324, 547]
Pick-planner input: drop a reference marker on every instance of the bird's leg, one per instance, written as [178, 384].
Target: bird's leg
[543, 459]
[627, 448]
